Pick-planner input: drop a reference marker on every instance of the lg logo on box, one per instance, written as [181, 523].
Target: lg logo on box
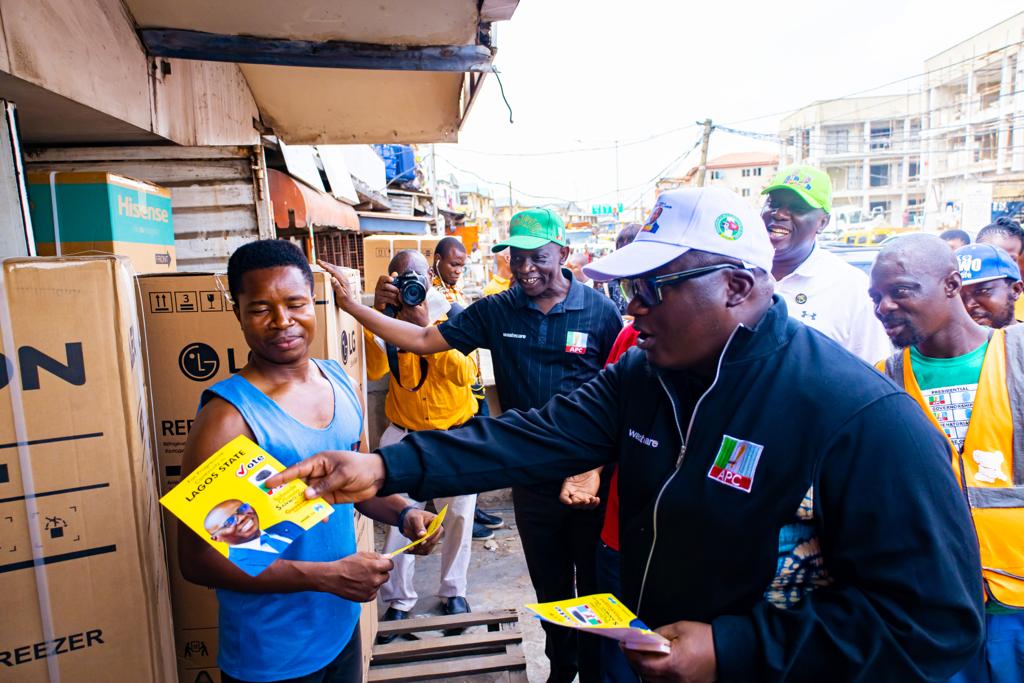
[200, 362]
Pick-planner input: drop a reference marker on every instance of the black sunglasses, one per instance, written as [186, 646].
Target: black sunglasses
[648, 289]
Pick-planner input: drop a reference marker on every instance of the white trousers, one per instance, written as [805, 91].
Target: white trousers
[399, 591]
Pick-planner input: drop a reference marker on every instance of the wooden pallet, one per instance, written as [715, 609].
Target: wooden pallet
[496, 650]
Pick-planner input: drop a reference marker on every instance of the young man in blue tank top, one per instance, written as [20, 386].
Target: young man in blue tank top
[297, 619]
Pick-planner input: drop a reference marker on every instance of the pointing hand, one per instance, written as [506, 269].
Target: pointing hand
[337, 476]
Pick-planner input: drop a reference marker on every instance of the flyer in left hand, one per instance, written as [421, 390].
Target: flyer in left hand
[603, 615]
[225, 501]
[432, 528]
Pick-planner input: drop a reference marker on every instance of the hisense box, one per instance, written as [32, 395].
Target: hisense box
[192, 341]
[103, 212]
[84, 584]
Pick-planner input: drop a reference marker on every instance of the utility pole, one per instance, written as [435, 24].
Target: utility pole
[616, 174]
[511, 204]
[438, 227]
[704, 152]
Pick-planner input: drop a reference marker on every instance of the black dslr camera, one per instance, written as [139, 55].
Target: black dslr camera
[412, 290]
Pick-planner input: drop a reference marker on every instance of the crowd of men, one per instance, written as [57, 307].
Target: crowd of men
[747, 464]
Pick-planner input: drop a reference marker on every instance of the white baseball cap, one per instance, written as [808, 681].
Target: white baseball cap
[710, 219]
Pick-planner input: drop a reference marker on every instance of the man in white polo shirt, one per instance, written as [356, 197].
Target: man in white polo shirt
[820, 289]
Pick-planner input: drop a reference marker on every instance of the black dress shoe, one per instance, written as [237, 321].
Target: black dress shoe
[481, 533]
[456, 605]
[488, 520]
[392, 614]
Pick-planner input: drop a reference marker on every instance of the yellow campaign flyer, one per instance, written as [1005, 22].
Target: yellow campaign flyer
[432, 528]
[604, 615]
[225, 501]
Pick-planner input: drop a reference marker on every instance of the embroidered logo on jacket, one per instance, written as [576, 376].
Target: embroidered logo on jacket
[645, 440]
[736, 463]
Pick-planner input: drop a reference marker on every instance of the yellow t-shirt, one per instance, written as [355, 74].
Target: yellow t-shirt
[445, 400]
[498, 284]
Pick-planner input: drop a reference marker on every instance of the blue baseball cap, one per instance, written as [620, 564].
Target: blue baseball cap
[984, 262]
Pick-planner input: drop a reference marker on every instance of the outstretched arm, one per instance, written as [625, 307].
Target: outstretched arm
[571, 434]
[406, 336]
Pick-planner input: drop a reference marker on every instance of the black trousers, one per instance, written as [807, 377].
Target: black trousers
[345, 668]
[559, 544]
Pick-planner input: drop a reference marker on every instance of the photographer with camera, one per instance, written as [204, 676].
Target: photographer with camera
[424, 392]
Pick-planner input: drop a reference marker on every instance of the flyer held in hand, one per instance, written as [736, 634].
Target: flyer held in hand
[432, 528]
[225, 501]
[604, 615]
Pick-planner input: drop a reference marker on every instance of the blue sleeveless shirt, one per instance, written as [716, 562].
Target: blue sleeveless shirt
[273, 636]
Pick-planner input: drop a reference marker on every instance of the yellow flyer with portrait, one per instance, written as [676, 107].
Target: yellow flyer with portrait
[604, 615]
[226, 502]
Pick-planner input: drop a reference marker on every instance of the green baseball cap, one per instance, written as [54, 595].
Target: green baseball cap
[533, 228]
[809, 182]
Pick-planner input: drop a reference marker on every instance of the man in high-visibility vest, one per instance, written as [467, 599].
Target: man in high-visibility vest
[969, 380]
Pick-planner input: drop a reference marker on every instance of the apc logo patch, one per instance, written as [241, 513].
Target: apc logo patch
[736, 463]
[576, 342]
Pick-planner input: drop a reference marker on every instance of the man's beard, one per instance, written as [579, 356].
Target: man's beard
[908, 336]
[996, 321]
[1007, 318]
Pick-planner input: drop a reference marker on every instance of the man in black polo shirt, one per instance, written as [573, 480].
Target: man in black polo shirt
[547, 335]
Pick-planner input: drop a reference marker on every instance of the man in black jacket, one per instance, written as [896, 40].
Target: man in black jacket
[786, 513]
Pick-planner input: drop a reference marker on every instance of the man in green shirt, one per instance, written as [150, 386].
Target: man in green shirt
[965, 376]
[915, 284]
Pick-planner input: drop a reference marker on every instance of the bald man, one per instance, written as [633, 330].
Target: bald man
[969, 381]
[252, 549]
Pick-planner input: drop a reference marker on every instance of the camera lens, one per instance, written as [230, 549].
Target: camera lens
[413, 293]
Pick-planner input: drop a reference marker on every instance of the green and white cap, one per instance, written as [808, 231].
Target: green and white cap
[711, 219]
[533, 228]
[812, 184]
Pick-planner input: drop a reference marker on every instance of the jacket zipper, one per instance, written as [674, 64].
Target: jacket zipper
[679, 460]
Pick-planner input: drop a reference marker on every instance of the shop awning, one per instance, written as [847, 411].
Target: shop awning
[340, 71]
[299, 207]
[375, 222]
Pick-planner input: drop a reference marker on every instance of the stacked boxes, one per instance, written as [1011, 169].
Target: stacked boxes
[378, 250]
[81, 555]
[103, 212]
[193, 341]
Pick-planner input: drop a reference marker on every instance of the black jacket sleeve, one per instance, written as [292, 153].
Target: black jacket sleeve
[906, 598]
[570, 434]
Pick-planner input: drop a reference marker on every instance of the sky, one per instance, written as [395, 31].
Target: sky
[583, 74]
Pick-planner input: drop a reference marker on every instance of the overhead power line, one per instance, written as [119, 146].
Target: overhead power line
[645, 184]
[576, 150]
[884, 85]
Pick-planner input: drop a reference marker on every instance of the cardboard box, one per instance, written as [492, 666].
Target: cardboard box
[350, 337]
[192, 341]
[104, 212]
[378, 250]
[368, 614]
[73, 409]
[376, 257]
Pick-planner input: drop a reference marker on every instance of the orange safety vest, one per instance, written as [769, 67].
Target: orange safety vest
[988, 471]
